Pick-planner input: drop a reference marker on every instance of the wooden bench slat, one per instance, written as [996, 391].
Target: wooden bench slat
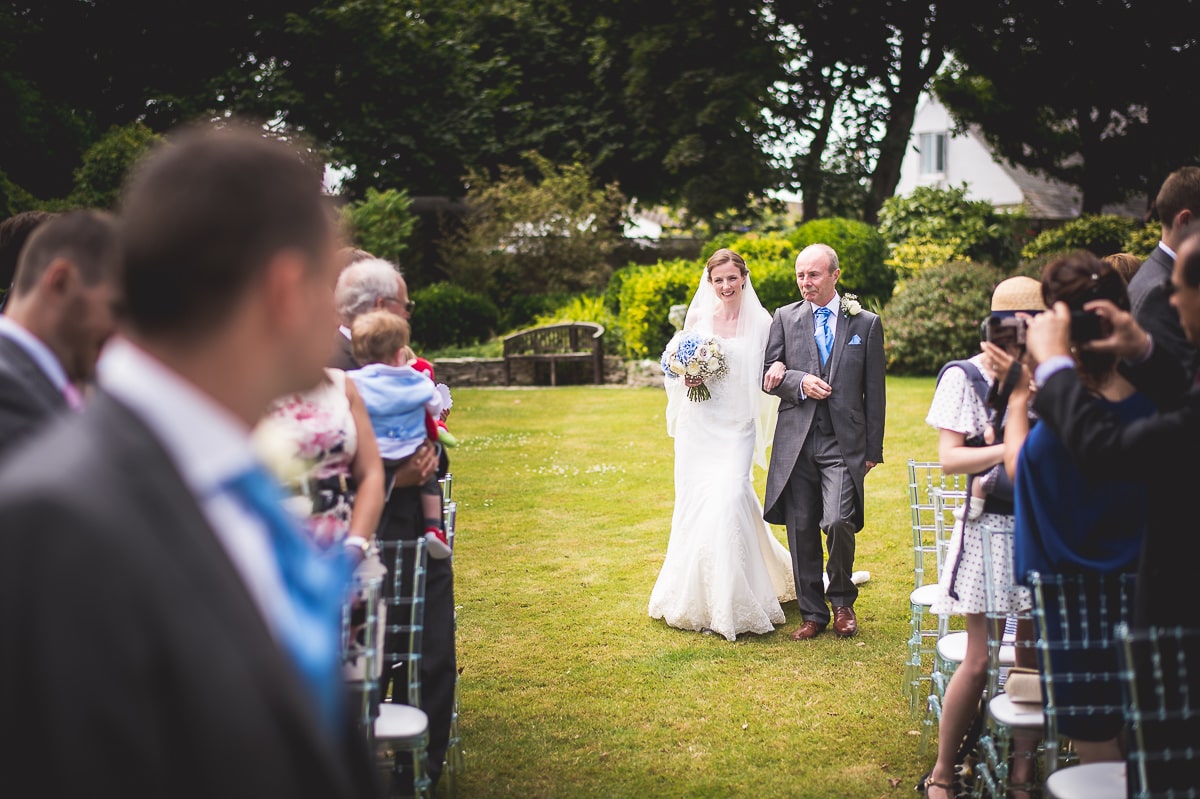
[557, 342]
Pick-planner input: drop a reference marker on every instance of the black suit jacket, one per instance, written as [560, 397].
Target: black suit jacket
[1162, 450]
[343, 357]
[27, 397]
[133, 660]
[1152, 308]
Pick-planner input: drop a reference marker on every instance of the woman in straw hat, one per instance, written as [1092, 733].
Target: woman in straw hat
[967, 445]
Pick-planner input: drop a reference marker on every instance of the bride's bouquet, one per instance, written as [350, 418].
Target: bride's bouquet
[689, 354]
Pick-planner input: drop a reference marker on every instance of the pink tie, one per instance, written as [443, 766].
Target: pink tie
[74, 398]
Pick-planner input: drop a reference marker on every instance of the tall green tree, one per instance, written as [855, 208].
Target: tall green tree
[1096, 105]
[873, 59]
[72, 70]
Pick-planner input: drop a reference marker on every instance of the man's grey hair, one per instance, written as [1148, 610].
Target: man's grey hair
[362, 284]
[830, 255]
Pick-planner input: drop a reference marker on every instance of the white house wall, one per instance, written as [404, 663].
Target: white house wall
[967, 160]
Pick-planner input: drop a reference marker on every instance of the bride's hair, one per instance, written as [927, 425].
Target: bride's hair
[725, 256]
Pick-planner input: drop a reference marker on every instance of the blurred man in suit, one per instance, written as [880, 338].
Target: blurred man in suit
[824, 360]
[14, 232]
[61, 312]
[1177, 203]
[165, 628]
[1160, 449]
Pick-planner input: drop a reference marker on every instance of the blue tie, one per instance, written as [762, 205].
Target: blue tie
[316, 586]
[824, 338]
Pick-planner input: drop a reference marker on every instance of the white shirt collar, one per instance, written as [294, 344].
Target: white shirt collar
[345, 331]
[833, 305]
[207, 443]
[1162, 245]
[42, 355]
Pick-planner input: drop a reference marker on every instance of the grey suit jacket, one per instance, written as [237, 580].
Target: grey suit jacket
[1152, 308]
[27, 397]
[133, 660]
[856, 373]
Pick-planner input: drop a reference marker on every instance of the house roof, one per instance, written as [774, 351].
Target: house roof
[1050, 199]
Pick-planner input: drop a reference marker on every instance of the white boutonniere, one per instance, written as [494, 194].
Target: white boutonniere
[850, 305]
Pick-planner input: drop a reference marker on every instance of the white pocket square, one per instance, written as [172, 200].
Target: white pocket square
[854, 340]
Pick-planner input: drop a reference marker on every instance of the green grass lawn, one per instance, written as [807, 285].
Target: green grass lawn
[569, 689]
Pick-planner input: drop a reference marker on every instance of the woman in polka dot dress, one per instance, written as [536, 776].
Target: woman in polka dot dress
[958, 414]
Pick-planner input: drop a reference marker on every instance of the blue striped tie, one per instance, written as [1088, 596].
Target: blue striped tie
[824, 338]
[316, 586]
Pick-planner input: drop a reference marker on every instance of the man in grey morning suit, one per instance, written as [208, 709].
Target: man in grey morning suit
[828, 436]
[161, 634]
[59, 315]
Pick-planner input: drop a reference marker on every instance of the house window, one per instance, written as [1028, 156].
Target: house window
[932, 147]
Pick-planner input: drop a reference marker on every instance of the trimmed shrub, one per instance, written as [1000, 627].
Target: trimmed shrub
[946, 215]
[1102, 234]
[935, 316]
[382, 223]
[861, 253]
[446, 315]
[646, 297]
[1142, 240]
[921, 252]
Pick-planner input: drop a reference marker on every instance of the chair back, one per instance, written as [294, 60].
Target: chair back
[1160, 672]
[924, 478]
[362, 643]
[405, 600]
[1075, 618]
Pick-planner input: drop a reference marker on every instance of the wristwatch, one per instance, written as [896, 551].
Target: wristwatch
[359, 543]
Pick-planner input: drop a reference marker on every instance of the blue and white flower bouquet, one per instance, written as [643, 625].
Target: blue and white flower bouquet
[689, 354]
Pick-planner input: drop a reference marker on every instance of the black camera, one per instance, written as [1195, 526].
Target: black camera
[1006, 332]
[1089, 326]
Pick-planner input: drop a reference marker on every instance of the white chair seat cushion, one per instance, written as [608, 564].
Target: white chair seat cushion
[925, 594]
[953, 646]
[398, 722]
[1011, 714]
[1088, 781]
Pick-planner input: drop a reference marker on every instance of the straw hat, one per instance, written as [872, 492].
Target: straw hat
[1018, 294]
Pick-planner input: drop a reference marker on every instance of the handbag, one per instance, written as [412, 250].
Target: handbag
[1024, 686]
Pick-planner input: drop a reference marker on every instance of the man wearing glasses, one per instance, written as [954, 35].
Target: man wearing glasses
[375, 284]
[370, 284]
[1177, 203]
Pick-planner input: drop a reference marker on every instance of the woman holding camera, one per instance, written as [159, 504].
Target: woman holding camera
[968, 444]
[1065, 522]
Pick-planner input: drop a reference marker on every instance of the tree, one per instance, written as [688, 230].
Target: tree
[72, 70]
[522, 236]
[1096, 106]
[873, 60]
[106, 163]
[382, 223]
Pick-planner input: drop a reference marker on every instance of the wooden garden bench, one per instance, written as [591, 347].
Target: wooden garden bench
[553, 344]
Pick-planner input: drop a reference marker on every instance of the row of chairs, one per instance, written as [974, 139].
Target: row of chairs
[1082, 612]
[398, 731]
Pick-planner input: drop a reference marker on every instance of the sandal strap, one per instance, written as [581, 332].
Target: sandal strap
[929, 783]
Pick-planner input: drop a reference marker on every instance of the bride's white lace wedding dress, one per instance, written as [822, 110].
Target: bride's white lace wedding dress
[724, 569]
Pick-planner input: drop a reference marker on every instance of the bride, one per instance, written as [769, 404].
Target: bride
[724, 571]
